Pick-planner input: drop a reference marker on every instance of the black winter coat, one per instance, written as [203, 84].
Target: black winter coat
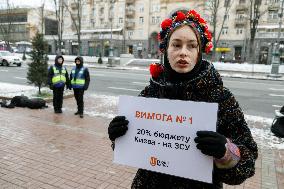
[207, 87]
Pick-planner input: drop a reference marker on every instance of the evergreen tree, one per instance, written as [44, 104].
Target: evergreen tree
[38, 68]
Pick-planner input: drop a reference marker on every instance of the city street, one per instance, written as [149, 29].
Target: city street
[63, 151]
[256, 97]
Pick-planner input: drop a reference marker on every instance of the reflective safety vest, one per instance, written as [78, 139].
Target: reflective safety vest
[59, 80]
[79, 83]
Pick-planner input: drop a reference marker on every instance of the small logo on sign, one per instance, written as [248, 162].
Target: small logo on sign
[156, 162]
[153, 161]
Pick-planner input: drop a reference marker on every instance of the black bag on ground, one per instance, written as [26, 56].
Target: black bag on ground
[36, 103]
[19, 101]
[24, 101]
[277, 127]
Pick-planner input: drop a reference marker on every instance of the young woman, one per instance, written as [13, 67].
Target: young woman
[184, 75]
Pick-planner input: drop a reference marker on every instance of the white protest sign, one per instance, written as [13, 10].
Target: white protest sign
[161, 134]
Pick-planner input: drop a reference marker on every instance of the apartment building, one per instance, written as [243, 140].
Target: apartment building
[122, 26]
[25, 22]
[112, 27]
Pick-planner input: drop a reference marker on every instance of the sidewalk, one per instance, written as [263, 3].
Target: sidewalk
[40, 149]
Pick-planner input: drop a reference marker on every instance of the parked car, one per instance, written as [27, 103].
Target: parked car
[7, 58]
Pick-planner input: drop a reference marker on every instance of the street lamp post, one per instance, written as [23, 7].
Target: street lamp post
[275, 55]
[110, 59]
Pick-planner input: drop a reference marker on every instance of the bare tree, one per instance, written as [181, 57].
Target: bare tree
[76, 17]
[6, 23]
[227, 8]
[59, 10]
[214, 6]
[254, 17]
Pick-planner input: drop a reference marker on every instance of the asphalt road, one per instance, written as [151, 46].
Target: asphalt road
[256, 97]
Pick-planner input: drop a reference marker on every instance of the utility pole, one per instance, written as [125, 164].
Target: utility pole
[275, 55]
[124, 26]
[111, 12]
[42, 18]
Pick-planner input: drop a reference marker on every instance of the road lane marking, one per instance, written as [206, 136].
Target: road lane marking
[124, 89]
[121, 73]
[276, 95]
[252, 83]
[273, 89]
[276, 106]
[140, 83]
[97, 75]
[22, 78]
[3, 70]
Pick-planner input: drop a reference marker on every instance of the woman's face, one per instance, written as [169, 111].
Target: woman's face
[183, 49]
[60, 60]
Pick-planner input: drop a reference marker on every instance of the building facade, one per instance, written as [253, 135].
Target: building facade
[113, 27]
[24, 23]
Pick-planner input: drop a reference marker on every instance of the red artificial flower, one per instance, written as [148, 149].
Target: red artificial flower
[156, 69]
[166, 23]
[208, 35]
[202, 21]
[192, 13]
[197, 17]
[180, 16]
[208, 47]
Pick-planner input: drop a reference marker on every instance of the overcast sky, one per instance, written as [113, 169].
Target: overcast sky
[31, 3]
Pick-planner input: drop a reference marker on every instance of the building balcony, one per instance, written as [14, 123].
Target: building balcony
[129, 24]
[240, 21]
[273, 6]
[242, 7]
[269, 35]
[129, 1]
[129, 12]
[73, 6]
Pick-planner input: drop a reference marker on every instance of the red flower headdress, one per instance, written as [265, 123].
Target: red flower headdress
[191, 18]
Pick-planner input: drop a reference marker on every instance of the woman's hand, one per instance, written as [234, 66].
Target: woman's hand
[211, 143]
[117, 127]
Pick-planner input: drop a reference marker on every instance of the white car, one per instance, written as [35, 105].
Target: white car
[7, 59]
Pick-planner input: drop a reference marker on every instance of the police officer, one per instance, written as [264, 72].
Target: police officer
[80, 79]
[57, 79]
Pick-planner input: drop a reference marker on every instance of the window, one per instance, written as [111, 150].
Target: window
[141, 8]
[226, 17]
[155, 8]
[273, 14]
[240, 16]
[227, 3]
[141, 20]
[102, 10]
[94, 11]
[120, 20]
[130, 33]
[239, 31]
[225, 31]
[155, 20]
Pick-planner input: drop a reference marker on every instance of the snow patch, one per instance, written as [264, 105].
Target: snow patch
[266, 139]
[105, 106]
